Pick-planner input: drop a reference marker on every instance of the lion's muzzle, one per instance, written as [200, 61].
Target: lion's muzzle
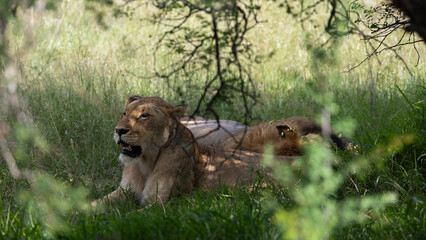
[126, 149]
[129, 150]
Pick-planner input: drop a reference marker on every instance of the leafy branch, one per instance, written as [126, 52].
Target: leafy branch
[374, 24]
[207, 37]
[47, 199]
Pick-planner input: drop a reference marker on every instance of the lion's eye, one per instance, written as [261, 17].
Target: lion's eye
[144, 116]
[123, 114]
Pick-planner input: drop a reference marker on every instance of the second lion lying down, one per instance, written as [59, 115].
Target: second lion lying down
[161, 158]
[287, 136]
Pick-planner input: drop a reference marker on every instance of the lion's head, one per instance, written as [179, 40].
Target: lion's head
[144, 126]
[288, 144]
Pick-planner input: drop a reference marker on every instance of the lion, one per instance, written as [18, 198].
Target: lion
[283, 138]
[287, 136]
[162, 159]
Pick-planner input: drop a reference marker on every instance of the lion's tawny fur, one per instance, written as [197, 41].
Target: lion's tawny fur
[255, 139]
[285, 143]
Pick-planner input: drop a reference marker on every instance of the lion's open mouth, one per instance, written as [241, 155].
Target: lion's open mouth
[129, 150]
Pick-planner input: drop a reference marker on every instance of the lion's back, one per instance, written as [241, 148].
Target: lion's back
[210, 132]
[251, 139]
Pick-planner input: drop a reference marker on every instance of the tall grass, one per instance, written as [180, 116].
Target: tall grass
[78, 75]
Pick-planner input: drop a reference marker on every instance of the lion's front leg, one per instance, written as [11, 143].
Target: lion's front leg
[131, 180]
[115, 196]
[158, 188]
[167, 179]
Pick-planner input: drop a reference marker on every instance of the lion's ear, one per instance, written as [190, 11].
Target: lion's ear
[177, 110]
[283, 129]
[132, 99]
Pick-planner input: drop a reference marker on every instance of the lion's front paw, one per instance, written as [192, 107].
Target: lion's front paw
[95, 203]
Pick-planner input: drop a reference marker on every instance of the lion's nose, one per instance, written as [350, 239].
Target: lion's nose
[121, 131]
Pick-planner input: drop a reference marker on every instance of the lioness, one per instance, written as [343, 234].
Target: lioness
[161, 158]
[282, 137]
[287, 136]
